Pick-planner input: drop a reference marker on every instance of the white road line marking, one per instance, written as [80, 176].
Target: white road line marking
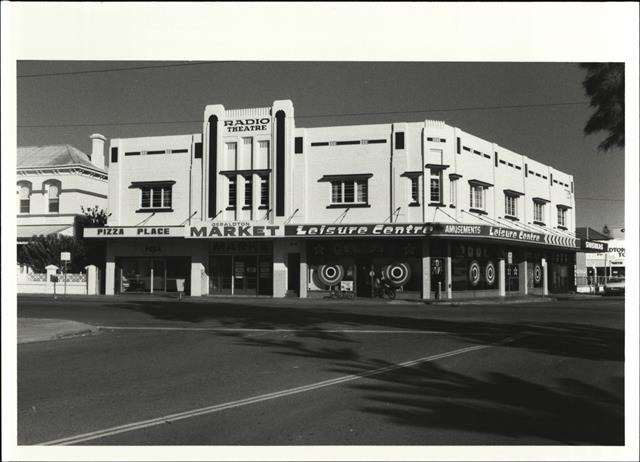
[257, 399]
[249, 330]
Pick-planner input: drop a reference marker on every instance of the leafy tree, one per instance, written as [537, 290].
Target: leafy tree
[93, 217]
[42, 251]
[604, 85]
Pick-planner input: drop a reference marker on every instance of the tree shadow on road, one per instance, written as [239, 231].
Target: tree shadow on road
[432, 397]
[568, 339]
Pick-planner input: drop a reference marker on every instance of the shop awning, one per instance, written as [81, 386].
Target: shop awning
[25, 232]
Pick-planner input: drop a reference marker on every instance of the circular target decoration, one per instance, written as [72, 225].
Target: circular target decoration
[474, 273]
[537, 273]
[490, 273]
[330, 275]
[398, 274]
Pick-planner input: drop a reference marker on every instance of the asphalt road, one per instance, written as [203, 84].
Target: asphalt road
[273, 372]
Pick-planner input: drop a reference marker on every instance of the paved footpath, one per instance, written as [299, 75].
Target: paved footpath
[40, 330]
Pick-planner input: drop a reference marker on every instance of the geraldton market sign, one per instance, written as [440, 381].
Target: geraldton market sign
[233, 230]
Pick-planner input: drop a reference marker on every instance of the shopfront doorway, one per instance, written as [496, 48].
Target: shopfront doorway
[241, 275]
[241, 268]
[152, 275]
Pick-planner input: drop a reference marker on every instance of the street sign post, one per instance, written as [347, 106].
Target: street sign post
[65, 257]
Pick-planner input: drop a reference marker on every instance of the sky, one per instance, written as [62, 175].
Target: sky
[535, 109]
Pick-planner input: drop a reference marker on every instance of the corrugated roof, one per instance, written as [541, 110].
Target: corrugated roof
[53, 156]
[591, 234]
[25, 232]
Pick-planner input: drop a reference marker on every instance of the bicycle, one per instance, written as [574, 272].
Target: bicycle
[339, 293]
[386, 290]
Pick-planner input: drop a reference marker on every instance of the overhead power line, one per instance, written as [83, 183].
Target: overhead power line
[598, 199]
[306, 116]
[470, 108]
[119, 69]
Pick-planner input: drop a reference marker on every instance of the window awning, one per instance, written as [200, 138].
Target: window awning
[149, 184]
[484, 184]
[26, 232]
[512, 192]
[354, 176]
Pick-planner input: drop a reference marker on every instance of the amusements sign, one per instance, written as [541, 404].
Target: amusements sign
[509, 234]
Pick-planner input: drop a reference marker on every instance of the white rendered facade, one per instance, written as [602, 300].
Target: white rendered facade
[255, 184]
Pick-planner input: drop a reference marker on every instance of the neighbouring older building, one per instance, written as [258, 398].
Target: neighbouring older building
[255, 205]
[53, 183]
[603, 260]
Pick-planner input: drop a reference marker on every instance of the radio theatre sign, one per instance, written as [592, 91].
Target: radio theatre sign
[135, 231]
[232, 230]
[248, 125]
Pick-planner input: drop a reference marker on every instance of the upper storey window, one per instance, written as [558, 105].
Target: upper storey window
[562, 217]
[155, 196]
[539, 210]
[348, 190]
[478, 196]
[53, 188]
[24, 192]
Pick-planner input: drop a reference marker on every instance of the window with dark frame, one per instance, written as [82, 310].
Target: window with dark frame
[453, 192]
[156, 197]
[264, 191]
[25, 196]
[562, 216]
[399, 140]
[511, 205]
[232, 192]
[54, 197]
[435, 186]
[476, 197]
[538, 212]
[349, 191]
[248, 191]
[415, 190]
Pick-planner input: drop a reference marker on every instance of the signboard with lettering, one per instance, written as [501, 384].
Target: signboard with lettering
[593, 246]
[205, 230]
[264, 229]
[135, 231]
[255, 124]
[380, 230]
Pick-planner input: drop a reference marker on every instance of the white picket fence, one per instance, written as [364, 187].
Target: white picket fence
[70, 284]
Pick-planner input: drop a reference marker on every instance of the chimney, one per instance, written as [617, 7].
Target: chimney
[97, 150]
